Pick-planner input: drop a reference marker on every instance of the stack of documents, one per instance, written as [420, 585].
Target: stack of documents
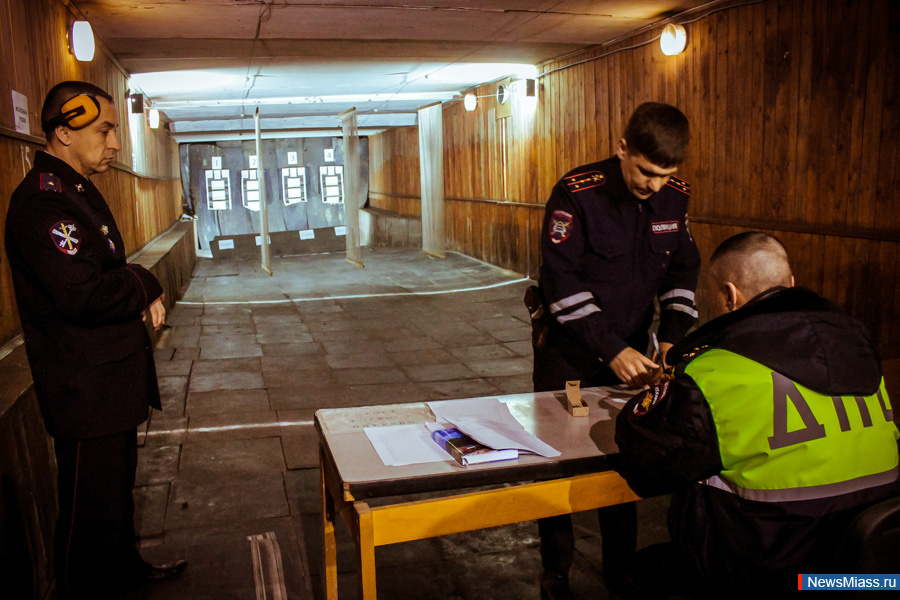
[486, 420]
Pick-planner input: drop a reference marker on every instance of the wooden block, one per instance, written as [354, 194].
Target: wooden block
[576, 405]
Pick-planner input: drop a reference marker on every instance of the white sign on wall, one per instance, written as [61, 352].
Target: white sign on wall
[253, 161]
[292, 158]
[20, 112]
[216, 162]
[329, 154]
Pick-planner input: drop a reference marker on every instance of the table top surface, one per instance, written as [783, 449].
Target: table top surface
[585, 443]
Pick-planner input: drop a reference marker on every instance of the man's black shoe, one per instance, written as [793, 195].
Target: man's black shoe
[157, 573]
[555, 586]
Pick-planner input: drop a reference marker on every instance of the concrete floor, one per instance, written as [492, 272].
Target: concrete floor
[227, 474]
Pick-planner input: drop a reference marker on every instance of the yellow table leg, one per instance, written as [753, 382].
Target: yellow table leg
[365, 544]
[330, 547]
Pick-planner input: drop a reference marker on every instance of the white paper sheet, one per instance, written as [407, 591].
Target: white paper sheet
[489, 422]
[399, 445]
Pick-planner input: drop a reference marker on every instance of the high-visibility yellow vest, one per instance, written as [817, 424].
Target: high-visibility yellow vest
[781, 441]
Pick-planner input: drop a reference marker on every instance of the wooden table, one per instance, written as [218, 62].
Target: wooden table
[579, 479]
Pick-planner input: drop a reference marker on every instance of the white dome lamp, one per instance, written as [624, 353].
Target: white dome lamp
[470, 101]
[673, 40]
[81, 41]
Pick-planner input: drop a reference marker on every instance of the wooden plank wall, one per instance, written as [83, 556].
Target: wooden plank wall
[144, 193]
[796, 127]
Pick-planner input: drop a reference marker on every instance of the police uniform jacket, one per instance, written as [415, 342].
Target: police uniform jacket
[80, 304]
[607, 255]
[772, 446]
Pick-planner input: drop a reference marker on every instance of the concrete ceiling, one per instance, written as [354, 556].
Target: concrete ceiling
[207, 64]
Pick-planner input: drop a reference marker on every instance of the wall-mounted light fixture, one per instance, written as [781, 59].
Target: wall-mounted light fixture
[81, 41]
[153, 118]
[470, 101]
[673, 39]
[136, 103]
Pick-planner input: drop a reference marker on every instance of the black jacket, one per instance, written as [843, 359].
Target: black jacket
[607, 255]
[80, 304]
[674, 447]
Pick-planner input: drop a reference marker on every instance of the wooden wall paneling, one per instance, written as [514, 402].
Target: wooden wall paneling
[856, 142]
[801, 61]
[710, 203]
[874, 90]
[820, 195]
[614, 104]
[840, 78]
[7, 67]
[724, 145]
[787, 121]
[732, 174]
[591, 150]
[887, 201]
[555, 125]
[601, 109]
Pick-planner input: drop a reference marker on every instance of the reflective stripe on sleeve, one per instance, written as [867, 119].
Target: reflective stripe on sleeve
[679, 293]
[579, 314]
[570, 301]
[682, 308]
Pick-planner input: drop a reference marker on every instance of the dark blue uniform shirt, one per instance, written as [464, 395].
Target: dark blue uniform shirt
[80, 304]
[607, 255]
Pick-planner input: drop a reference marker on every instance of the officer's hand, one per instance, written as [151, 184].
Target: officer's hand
[157, 313]
[633, 368]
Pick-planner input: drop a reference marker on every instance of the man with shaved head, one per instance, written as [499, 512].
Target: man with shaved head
[774, 431]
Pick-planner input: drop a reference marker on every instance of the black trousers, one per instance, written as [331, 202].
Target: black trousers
[95, 556]
[553, 366]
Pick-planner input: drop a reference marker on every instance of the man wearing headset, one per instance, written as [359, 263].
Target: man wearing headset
[83, 309]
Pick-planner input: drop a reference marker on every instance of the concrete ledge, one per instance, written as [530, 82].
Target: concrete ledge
[28, 505]
[384, 229]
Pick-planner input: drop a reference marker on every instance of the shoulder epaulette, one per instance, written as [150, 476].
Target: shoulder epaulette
[679, 184]
[584, 181]
[50, 183]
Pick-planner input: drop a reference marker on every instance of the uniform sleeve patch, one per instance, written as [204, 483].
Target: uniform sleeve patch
[50, 183]
[679, 184]
[560, 226]
[651, 398]
[584, 181]
[664, 227]
[66, 237]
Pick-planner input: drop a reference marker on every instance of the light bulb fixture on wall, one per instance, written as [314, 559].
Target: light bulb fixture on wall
[81, 41]
[136, 103]
[470, 101]
[673, 39]
[153, 118]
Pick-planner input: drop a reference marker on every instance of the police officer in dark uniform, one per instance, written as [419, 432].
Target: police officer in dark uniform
[83, 308]
[615, 238]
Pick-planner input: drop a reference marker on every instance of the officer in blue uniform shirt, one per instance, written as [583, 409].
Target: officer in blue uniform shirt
[83, 308]
[615, 239]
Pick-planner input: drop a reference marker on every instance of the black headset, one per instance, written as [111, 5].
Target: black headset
[77, 113]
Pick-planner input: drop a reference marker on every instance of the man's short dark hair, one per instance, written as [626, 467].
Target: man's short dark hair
[62, 93]
[754, 261]
[660, 132]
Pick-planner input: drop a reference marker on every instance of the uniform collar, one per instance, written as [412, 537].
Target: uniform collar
[45, 161]
[620, 190]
